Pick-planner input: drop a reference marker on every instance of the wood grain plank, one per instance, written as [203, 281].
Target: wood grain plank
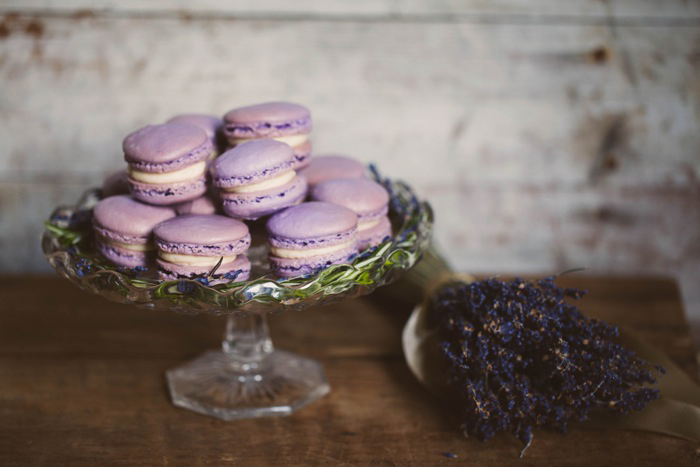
[82, 380]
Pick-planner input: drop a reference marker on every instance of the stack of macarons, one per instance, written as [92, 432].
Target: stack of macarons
[181, 178]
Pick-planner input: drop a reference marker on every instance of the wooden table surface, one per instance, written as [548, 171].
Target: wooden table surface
[81, 383]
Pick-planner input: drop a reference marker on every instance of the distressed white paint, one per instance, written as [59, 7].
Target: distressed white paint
[344, 9]
[499, 122]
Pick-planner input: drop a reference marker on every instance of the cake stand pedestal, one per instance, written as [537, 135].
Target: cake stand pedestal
[248, 377]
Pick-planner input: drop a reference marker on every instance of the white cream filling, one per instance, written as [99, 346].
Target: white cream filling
[128, 246]
[292, 140]
[366, 225]
[193, 260]
[297, 254]
[273, 182]
[188, 173]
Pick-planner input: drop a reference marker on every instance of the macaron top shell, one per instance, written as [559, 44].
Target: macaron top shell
[311, 225]
[123, 219]
[363, 196]
[269, 119]
[250, 162]
[166, 147]
[324, 168]
[202, 234]
[209, 123]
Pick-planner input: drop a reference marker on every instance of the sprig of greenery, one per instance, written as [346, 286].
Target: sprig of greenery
[65, 235]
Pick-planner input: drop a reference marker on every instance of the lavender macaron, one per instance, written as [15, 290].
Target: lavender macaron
[203, 205]
[257, 178]
[211, 124]
[324, 168]
[116, 183]
[366, 198]
[167, 163]
[283, 121]
[311, 236]
[123, 228]
[193, 245]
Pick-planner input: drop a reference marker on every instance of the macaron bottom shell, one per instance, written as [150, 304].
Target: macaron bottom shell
[252, 206]
[170, 193]
[374, 235]
[123, 256]
[293, 267]
[236, 270]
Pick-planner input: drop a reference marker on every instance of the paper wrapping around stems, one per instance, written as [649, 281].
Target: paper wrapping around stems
[676, 412]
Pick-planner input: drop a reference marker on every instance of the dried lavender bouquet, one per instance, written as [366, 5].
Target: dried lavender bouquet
[514, 356]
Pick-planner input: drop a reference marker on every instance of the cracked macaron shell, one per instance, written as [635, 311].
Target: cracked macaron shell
[126, 220]
[368, 199]
[269, 119]
[166, 147]
[312, 225]
[202, 235]
[251, 162]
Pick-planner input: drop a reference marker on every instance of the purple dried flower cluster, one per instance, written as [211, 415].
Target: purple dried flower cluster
[83, 266]
[518, 357]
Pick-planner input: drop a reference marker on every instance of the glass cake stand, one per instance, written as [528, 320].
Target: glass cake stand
[247, 377]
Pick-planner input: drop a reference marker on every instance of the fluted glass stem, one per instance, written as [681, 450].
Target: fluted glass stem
[247, 341]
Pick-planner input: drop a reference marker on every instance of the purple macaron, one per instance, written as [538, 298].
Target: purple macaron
[193, 244]
[211, 124]
[283, 121]
[203, 205]
[167, 163]
[116, 183]
[123, 228]
[368, 199]
[324, 168]
[257, 178]
[311, 236]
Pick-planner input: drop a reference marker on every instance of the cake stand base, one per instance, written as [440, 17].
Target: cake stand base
[215, 385]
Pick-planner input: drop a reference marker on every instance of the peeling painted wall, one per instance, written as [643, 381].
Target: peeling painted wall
[547, 135]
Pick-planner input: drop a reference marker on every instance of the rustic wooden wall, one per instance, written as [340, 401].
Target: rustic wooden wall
[547, 134]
